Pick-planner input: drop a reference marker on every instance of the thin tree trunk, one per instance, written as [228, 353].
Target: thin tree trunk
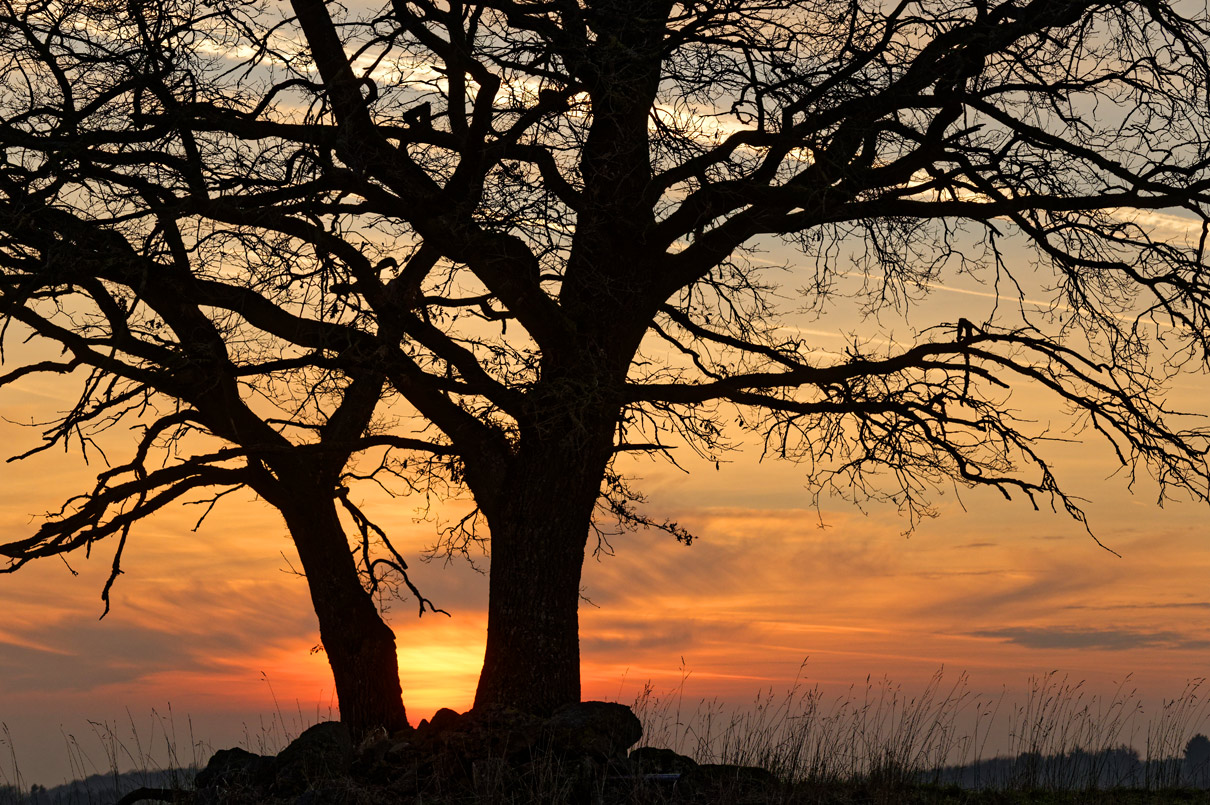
[360, 647]
[539, 531]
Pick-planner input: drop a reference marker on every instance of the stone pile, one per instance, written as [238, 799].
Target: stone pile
[578, 755]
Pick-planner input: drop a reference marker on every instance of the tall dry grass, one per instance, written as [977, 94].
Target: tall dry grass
[111, 759]
[878, 734]
[1059, 737]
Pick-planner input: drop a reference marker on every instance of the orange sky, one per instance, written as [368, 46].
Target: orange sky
[216, 626]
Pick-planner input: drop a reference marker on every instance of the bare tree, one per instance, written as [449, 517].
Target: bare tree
[533, 223]
[96, 263]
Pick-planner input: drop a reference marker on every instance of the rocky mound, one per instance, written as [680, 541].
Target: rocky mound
[579, 755]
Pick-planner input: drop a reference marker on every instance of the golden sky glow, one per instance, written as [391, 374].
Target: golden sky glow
[215, 624]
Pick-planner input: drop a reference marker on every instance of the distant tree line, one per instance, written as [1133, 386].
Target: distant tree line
[1116, 767]
[109, 787]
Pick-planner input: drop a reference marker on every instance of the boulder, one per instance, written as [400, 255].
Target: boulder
[652, 760]
[485, 733]
[322, 752]
[490, 778]
[723, 782]
[604, 730]
[487, 753]
[234, 774]
[376, 755]
[444, 720]
[503, 732]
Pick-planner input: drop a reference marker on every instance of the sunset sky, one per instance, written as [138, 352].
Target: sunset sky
[214, 625]
[212, 641]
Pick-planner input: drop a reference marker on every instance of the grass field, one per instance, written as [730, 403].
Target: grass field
[875, 744]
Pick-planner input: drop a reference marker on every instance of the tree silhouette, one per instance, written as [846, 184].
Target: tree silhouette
[505, 242]
[1197, 761]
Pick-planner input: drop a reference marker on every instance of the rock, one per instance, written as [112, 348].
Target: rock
[322, 752]
[651, 760]
[602, 729]
[490, 777]
[467, 752]
[501, 732]
[373, 759]
[372, 739]
[497, 754]
[444, 720]
[232, 774]
[398, 751]
[721, 782]
[482, 733]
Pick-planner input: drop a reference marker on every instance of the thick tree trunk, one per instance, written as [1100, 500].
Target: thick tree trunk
[539, 531]
[360, 647]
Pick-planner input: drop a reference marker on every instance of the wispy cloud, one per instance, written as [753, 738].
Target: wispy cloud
[1142, 605]
[1059, 637]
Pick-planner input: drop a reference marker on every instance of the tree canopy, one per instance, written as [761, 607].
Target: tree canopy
[490, 246]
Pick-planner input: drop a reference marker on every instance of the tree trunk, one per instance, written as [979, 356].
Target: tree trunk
[360, 647]
[539, 530]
